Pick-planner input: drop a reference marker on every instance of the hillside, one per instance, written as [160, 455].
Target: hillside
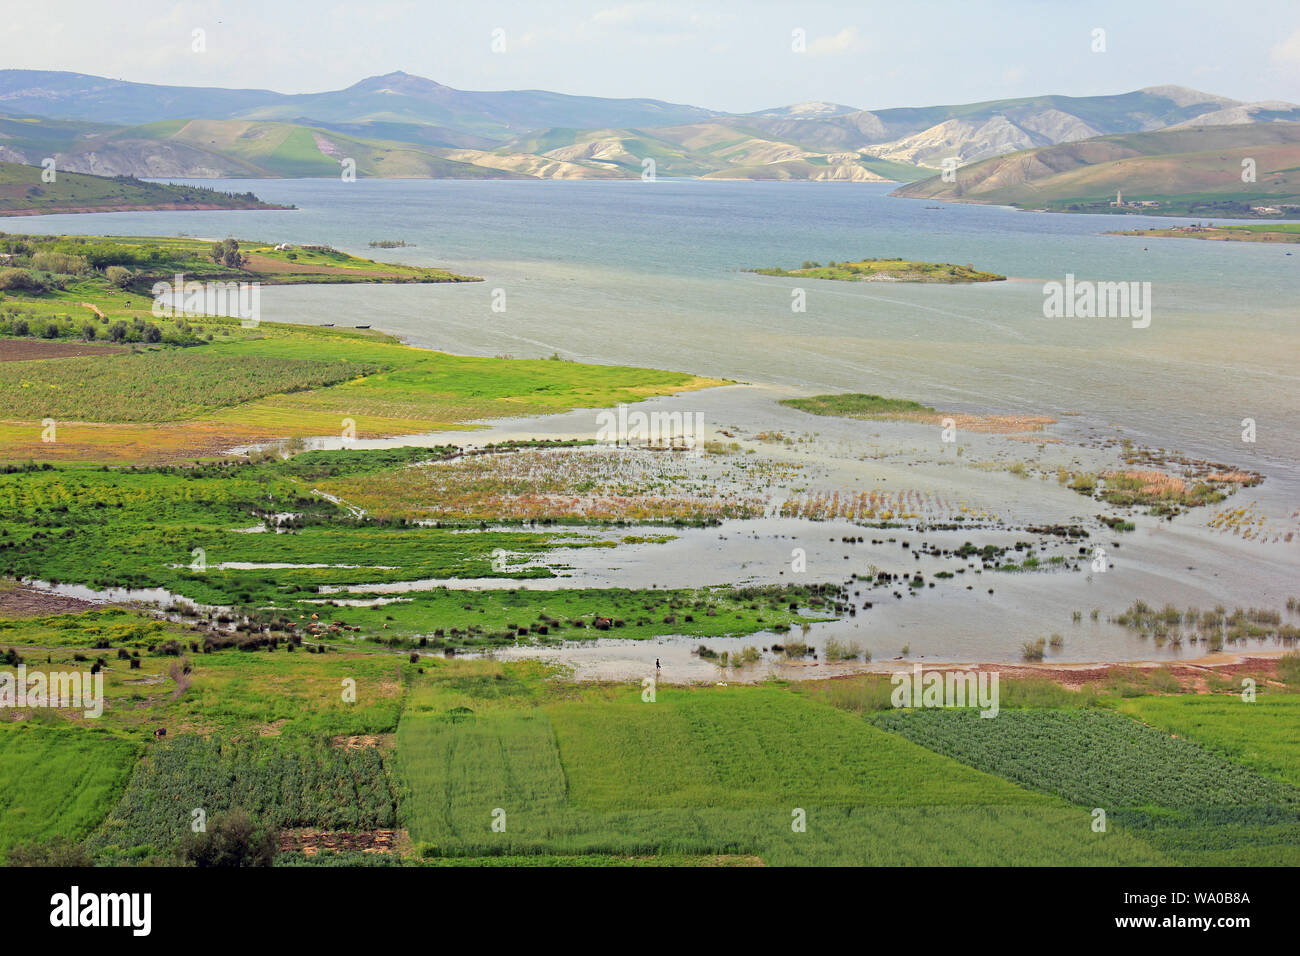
[24, 193]
[396, 97]
[399, 126]
[1185, 170]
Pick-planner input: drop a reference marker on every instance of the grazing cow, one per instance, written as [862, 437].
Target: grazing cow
[160, 732]
[603, 623]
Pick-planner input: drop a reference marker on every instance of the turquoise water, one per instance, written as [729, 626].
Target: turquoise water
[649, 274]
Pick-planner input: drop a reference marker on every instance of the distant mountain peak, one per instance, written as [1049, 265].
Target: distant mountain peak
[812, 109]
[399, 81]
[1186, 96]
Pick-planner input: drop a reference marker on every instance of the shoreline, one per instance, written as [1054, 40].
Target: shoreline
[152, 207]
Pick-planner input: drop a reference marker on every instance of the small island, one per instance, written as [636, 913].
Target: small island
[885, 270]
[1272, 232]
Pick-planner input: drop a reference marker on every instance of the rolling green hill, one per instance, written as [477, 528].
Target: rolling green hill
[23, 192]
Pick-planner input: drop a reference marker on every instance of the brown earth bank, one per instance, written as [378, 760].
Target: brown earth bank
[27, 350]
[1192, 675]
[19, 601]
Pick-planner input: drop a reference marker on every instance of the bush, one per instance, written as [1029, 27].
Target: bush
[1288, 668]
[19, 279]
[60, 852]
[231, 840]
[59, 262]
[120, 276]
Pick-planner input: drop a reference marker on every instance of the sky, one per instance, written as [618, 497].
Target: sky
[730, 55]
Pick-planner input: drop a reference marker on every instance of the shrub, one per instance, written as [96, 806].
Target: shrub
[231, 840]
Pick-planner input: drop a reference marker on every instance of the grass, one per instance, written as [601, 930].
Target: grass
[857, 405]
[1188, 801]
[1261, 734]
[158, 386]
[720, 770]
[57, 783]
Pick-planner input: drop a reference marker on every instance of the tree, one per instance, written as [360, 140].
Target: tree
[117, 331]
[230, 254]
[230, 840]
[88, 332]
[120, 276]
[152, 333]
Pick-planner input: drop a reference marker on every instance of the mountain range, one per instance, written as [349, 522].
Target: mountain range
[399, 125]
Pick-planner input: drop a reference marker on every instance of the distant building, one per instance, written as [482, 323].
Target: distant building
[1119, 198]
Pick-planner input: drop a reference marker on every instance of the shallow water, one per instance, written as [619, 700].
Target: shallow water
[648, 274]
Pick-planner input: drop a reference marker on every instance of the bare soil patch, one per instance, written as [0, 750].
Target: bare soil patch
[28, 350]
[309, 841]
[268, 265]
[19, 601]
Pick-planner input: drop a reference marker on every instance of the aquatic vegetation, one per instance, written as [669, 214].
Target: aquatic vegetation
[857, 405]
[558, 484]
[1213, 628]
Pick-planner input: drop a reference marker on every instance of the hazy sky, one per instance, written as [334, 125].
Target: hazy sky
[734, 56]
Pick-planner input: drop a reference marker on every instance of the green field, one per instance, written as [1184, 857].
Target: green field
[1261, 734]
[436, 751]
[283, 783]
[709, 771]
[1190, 802]
[57, 783]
